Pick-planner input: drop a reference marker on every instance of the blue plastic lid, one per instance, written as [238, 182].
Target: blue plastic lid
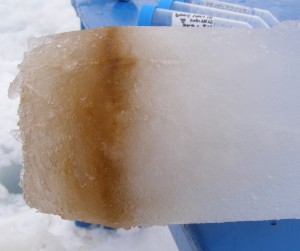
[146, 14]
[165, 4]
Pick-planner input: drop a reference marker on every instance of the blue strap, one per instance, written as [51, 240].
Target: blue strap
[146, 14]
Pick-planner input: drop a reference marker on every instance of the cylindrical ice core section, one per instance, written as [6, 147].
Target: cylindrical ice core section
[202, 126]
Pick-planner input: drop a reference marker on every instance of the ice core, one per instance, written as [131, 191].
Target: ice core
[127, 126]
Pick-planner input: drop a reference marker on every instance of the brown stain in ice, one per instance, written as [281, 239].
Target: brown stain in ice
[104, 116]
[74, 160]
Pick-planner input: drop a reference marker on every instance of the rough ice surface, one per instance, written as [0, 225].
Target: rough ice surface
[201, 126]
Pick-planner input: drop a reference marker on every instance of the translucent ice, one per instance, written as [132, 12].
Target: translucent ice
[150, 126]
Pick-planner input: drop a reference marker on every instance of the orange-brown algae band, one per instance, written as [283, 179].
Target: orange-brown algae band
[74, 114]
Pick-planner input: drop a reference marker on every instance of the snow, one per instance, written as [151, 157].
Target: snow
[22, 228]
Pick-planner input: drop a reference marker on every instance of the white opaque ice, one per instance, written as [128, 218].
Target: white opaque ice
[222, 142]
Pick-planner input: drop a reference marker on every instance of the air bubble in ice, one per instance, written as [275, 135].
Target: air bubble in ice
[16, 134]
[70, 66]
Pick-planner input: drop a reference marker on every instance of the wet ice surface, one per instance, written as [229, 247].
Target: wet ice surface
[212, 120]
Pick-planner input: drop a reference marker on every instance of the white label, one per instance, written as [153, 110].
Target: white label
[191, 20]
